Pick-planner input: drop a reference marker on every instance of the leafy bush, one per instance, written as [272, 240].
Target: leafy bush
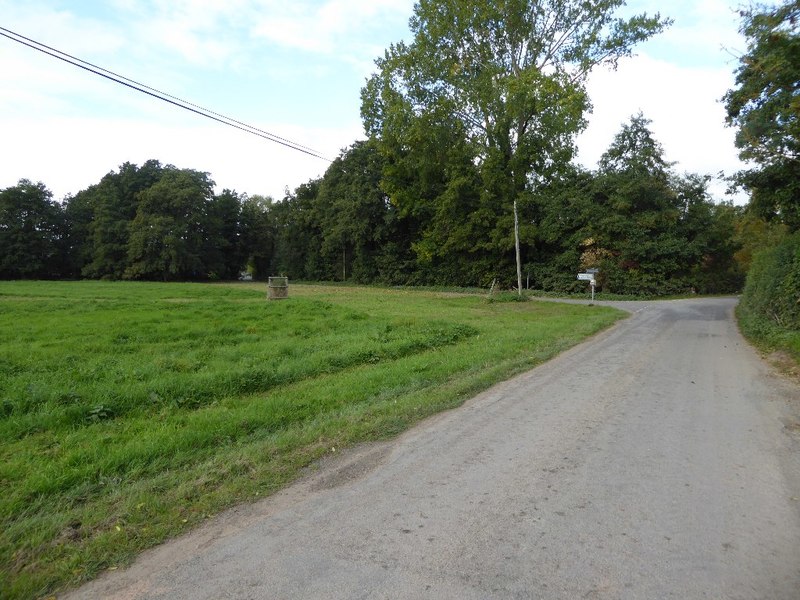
[772, 291]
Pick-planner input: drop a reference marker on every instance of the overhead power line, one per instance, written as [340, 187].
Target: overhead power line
[155, 93]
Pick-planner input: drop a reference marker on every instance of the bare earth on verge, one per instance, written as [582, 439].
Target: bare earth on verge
[659, 460]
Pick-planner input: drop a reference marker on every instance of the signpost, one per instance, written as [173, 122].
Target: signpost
[589, 276]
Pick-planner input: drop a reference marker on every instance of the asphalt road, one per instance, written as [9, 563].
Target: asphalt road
[659, 460]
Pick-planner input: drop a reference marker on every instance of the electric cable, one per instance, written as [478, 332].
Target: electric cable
[158, 94]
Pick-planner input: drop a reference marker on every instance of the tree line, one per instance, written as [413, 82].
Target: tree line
[467, 176]
[648, 229]
[151, 221]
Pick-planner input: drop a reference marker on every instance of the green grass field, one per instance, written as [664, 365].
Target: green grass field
[130, 412]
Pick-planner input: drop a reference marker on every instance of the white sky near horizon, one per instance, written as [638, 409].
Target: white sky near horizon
[296, 69]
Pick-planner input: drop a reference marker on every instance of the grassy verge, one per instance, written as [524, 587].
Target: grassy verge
[768, 336]
[130, 412]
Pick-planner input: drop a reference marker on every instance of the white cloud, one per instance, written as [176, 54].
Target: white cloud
[85, 149]
[677, 81]
[704, 32]
[333, 26]
[67, 128]
[200, 32]
[683, 104]
[286, 64]
[60, 28]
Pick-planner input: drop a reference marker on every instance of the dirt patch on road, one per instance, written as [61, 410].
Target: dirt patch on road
[353, 464]
[785, 364]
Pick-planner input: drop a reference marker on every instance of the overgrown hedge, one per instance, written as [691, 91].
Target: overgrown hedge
[769, 312]
[772, 291]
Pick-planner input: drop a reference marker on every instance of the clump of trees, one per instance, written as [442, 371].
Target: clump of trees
[32, 232]
[764, 108]
[150, 222]
[466, 178]
[483, 107]
[648, 230]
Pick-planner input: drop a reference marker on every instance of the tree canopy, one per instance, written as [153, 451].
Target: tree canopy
[31, 232]
[472, 127]
[499, 88]
[151, 221]
[765, 109]
[646, 228]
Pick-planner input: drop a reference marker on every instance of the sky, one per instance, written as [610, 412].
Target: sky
[295, 69]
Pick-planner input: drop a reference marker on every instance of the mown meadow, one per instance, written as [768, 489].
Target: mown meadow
[130, 412]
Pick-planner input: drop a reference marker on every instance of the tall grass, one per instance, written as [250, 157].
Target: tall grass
[130, 411]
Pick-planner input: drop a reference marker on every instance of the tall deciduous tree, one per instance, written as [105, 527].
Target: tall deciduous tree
[114, 203]
[298, 234]
[222, 254]
[31, 230]
[651, 230]
[639, 213]
[78, 215]
[765, 108]
[356, 217]
[167, 235]
[511, 73]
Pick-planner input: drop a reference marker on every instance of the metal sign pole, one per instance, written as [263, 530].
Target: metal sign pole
[589, 276]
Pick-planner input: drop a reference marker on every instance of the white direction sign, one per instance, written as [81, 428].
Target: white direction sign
[585, 276]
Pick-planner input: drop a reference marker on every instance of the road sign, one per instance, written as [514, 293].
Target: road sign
[585, 276]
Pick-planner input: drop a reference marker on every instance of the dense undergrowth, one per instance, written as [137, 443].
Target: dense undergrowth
[769, 313]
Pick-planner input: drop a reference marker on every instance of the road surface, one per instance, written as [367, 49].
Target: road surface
[659, 460]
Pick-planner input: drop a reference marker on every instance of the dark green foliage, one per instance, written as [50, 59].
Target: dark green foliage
[31, 232]
[774, 192]
[772, 294]
[752, 234]
[764, 109]
[256, 235]
[648, 230]
[167, 234]
[657, 233]
[298, 234]
[149, 222]
[342, 226]
[356, 216]
[113, 204]
[481, 107]
[710, 233]
[222, 254]
[635, 237]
